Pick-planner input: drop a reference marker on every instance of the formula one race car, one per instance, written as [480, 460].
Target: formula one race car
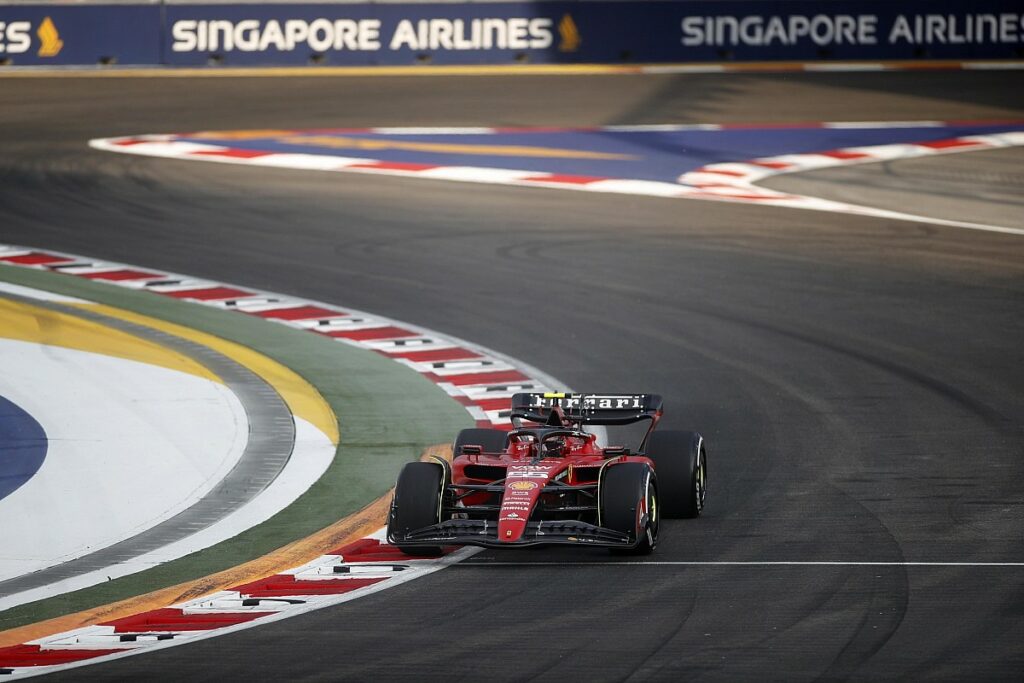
[550, 482]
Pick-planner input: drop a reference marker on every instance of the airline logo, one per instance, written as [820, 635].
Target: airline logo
[16, 38]
[50, 43]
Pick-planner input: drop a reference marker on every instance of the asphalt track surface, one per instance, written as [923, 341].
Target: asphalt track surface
[860, 381]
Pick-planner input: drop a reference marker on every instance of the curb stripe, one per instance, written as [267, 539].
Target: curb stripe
[392, 339]
[729, 181]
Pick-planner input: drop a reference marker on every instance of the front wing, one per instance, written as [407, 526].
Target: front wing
[484, 533]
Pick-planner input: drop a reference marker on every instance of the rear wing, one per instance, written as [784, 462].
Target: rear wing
[598, 409]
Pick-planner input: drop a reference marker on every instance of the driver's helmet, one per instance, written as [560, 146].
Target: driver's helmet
[553, 448]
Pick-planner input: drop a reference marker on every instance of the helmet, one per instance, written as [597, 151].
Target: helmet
[553, 448]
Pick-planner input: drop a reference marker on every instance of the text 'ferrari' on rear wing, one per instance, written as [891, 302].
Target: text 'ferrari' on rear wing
[608, 409]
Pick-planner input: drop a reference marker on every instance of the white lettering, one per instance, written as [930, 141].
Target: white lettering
[822, 30]
[517, 32]
[18, 37]
[541, 36]
[404, 36]
[320, 35]
[184, 34]
[935, 29]
[866, 26]
[1007, 30]
[459, 37]
[369, 34]
[776, 31]
[845, 25]
[441, 34]
[247, 35]
[219, 29]
[295, 31]
[799, 27]
[750, 30]
[693, 31]
[495, 34]
[900, 31]
[272, 35]
[345, 34]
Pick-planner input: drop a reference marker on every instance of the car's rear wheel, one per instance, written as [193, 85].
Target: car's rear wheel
[491, 440]
[680, 459]
[417, 503]
[629, 503]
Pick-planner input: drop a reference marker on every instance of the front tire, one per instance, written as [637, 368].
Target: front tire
[417, 503]
[629, 503]
[680, 459]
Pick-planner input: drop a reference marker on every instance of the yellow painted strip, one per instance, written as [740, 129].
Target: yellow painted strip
[354, 71]
[239, 134]
[475, 70]
[297, 553]
[25, 322]
[376, 144]
[302, 398]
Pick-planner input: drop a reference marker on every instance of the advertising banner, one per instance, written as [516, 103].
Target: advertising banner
[54, 35]
[560, 31]
[605, 32]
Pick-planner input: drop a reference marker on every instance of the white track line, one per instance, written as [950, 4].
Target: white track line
[754, 563]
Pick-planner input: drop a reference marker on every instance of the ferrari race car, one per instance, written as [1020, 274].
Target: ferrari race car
[547, 481]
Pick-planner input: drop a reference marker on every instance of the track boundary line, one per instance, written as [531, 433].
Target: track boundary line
[491, 70]
[751, 563]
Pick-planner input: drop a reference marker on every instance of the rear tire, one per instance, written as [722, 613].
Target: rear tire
[417, 503]
[491, 440]
[624, 488]
[680, 460]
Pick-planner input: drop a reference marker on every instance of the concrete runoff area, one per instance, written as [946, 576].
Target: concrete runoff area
[857, 379]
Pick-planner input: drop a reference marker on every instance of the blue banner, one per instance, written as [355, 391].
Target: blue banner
[613, 32]
[603, 32]
[39, 35]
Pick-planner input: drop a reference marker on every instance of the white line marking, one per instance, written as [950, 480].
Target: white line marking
[754, 563]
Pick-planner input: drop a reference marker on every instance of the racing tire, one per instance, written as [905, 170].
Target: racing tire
[491, 440]
[416, 504]
[623, 488]
[681, 462]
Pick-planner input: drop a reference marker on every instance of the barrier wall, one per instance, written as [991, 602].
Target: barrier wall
[579, 31]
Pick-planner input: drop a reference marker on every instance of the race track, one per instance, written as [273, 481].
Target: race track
[860, 380]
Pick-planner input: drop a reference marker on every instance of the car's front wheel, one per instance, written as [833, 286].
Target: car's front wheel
[417, 503]
[629, 503]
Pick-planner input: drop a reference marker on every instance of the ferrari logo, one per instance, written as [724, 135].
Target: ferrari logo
[570, 35]
[50, 43]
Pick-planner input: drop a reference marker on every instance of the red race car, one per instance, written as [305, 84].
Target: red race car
[548, 481]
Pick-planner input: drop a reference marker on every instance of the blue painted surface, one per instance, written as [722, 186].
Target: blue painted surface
[22, 447]
[662, 155]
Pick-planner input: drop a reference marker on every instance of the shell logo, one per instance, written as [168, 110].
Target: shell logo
[523, 485]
